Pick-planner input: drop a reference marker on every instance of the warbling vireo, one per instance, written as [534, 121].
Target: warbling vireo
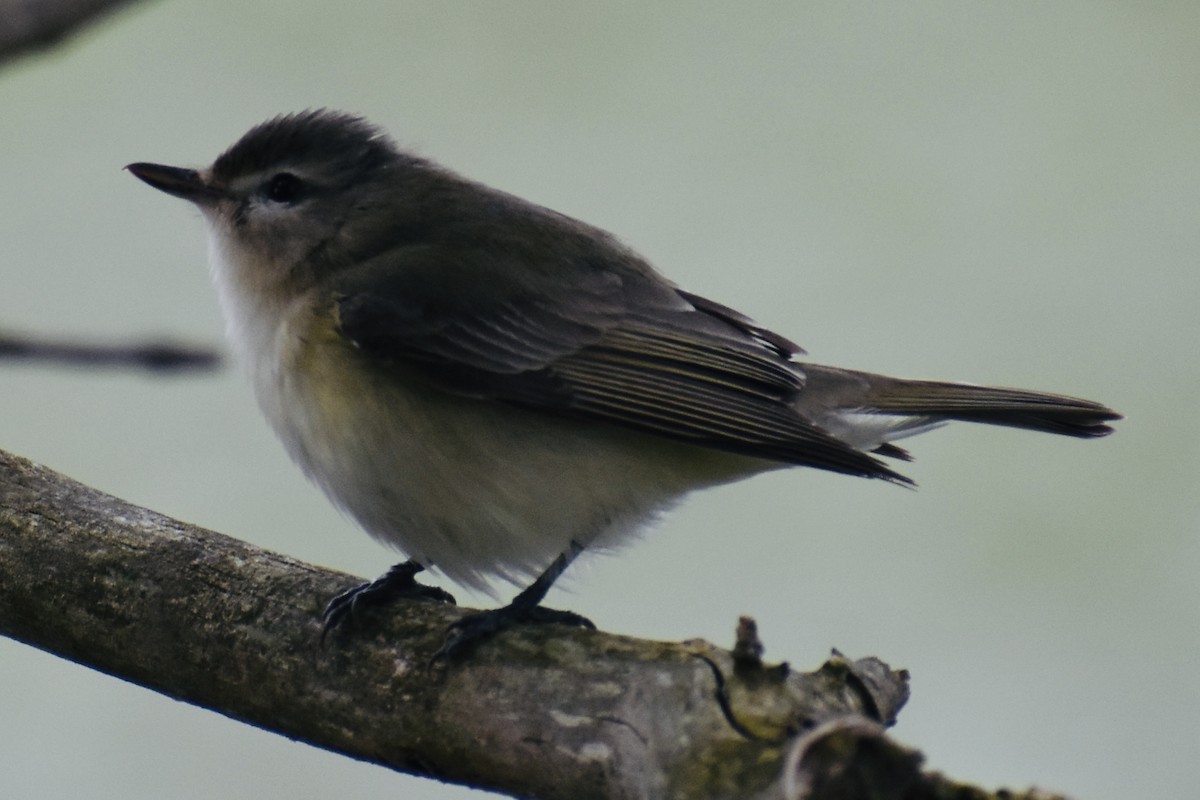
[494, 387]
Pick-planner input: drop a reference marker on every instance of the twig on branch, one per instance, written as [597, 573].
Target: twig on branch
[159, 356]
[539, 713]
[27, 25]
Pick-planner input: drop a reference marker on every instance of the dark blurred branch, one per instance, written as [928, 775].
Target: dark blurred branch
[28, 25]
[146, 355]
[539, 713]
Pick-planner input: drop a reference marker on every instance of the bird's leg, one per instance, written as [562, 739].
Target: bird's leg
[397, 583]
[524, 608]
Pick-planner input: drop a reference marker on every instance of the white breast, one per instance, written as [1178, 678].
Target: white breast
[475, 488]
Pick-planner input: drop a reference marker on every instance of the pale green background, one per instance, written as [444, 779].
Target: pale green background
[992, 192]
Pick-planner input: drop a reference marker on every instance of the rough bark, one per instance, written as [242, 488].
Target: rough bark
[543, 712]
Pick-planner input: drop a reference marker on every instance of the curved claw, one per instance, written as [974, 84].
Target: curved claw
[472, 629]
[397, 583]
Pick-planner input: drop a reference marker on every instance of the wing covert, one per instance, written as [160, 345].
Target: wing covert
[617, 348]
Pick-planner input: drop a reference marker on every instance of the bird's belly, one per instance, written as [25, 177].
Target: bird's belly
[476, 488]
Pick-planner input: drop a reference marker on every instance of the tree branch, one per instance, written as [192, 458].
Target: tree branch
[155, 356]
[540, 712]
[27, 25]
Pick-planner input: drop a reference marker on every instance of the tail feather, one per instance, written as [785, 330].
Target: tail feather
[856, 407]
[1017, 408]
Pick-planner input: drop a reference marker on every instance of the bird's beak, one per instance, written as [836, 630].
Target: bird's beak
[186, 183]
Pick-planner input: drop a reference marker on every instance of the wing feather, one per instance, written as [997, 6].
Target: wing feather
[610, 346]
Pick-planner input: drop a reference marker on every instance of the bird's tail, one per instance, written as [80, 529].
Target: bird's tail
[868, 411]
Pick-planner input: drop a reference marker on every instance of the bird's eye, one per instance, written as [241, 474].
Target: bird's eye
[283, 188]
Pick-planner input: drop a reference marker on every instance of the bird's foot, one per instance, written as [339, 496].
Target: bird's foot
[480, 626]
[397, 583]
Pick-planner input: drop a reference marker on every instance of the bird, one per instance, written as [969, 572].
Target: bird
[494, 388]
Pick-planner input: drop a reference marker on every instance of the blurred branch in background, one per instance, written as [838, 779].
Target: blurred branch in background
[27, 26]
[159, 356]
[543, 712]
[30, 25]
